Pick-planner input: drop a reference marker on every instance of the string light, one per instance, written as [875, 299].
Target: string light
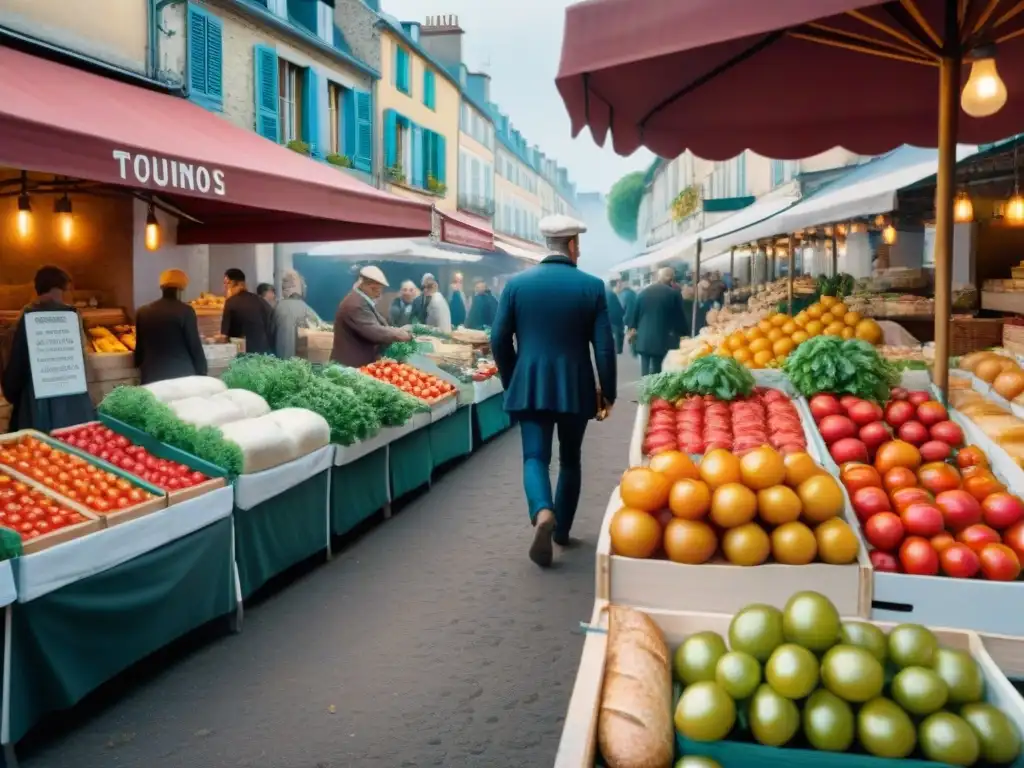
[65, 222]
[152, 230]
[24, 216]
[1014, 211]
[963, 208]
[984, 93]
[889, 235]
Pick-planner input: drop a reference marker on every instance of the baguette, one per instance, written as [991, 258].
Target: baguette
[634, 728]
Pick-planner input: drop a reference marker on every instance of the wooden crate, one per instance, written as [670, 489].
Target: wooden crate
[578, 745]
[92, 522]
[209, 322]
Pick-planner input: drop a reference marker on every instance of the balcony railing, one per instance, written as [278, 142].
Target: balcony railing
[477, 205]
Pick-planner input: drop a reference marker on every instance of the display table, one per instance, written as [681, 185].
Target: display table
[451, 437]
[409, 461]
[90, 608]
[282, 517]
[489, 417]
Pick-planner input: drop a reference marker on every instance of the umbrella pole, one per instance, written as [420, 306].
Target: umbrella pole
[949, 112]
[696, 289]
[790, 260]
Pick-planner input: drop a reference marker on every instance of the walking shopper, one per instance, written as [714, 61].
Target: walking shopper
[359, 329]
[548, 319]
[246, 315]
[658, 321]
[167, 343]
[616, 316]
[483, 308]
[627, 296]
[457, 301]
[291, 313]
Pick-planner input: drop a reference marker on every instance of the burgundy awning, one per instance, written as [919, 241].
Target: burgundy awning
[721, 76]
[467, 231]
[239, 187]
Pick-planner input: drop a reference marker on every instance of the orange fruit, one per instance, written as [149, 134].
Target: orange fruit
[689, 499]
[837, 543]
[732, 505]
[799, 466]
[765, 326]
[736, 341]
[675, 465]
[779, 320]
[762, 468]
[838, 310]
[763, 357]
[835, 328]
[778, 505]
[689, 541]
[634, 533]
[852, 318]
[742, 355]
[783, 346]
[759, 345]
[789, 328]
[821, 497]
[870, 331]
[753, 332]
[799, 337]
[827, 319]
[775, 334]
[645, 489]
[801, 319]
[848, 333]
[746, 545]
[814, 328]
[719, 467]
[827, 301]
[815, 311]
[794, 544]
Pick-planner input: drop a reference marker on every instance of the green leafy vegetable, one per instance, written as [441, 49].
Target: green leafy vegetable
[426, 330]
[271, 378]
[401, 350]
[830, 364]
[139, 408]
[722, 377]
[393, 406]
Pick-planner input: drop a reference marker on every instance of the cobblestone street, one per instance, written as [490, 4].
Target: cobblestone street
[430, 641]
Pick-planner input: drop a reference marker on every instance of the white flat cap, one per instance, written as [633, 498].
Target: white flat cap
[561, 226]
[373, 273]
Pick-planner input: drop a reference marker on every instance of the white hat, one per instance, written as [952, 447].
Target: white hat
[373, 273]
[561, 226]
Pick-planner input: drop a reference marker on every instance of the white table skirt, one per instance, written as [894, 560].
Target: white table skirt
[43, 572]
[445, 409]
[346, 454]
[254, 489]
[8, 592]
[486, 389]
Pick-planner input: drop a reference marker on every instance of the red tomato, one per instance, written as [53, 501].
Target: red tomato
[101, 505]
[959, 561]
[58, 521]
[123, 502]
[43, 527]
[919, 557]
[999, 563]
[197, 477]
[26, 526]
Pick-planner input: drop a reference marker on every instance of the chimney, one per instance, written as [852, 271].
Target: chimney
[479, 86]
[441, 37]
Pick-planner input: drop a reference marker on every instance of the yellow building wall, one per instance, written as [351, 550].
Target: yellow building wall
[113, 31]
[443, 119]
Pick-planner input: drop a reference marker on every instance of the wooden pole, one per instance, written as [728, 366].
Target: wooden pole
[835, 254]
[949, 113]
[732, 267]
[696, 289]
[790, 268]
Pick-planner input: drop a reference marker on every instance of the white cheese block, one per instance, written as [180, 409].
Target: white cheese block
[206, 411]
[251, 404]
[262, 443]
[306, 430]
[169, 390]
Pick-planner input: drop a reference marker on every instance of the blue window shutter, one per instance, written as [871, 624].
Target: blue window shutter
[266, 92]
[362, 150]
[214, 61]
[304, 12]
[428, 88]
[390, 125]
[349, 140]
[441, 159]
[417, 177]
[311, 133]
[197, 45]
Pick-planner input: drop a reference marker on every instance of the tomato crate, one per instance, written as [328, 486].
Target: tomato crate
[116, 516]
[578, 746]
[10, 479]
[718, 585]
[216, 477]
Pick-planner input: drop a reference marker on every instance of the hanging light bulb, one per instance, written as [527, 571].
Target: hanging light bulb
[841, 229]
[769, 251]
[984, 93]
[1014, 210]
[65, 223]
[152, 230]
[963, 208]
[889, 235]
[24, 216]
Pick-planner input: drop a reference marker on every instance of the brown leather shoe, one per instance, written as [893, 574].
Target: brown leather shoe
[541, 551]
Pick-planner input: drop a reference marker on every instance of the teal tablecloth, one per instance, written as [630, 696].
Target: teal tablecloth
[67, 643]
[451, 437]
[358, 490]
[280, 532]
[490, 418]
[409, 463]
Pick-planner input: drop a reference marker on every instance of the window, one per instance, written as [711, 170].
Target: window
[403, 65]
[305, 13]
[290, 110]
[205, 58]
[277, 7]
[336, 119]
[464, 118]
[429, 86]
[778, 171]
[325, 22]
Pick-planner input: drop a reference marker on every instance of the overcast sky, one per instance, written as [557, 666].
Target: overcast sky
[519, 43]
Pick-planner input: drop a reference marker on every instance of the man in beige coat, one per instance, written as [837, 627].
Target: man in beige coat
[360, 331]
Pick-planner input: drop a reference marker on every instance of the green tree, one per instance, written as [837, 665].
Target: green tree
[624, 204]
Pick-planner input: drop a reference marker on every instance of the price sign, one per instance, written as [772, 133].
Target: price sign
[55, 353]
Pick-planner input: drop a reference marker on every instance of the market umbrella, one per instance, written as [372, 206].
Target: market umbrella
[791, 78]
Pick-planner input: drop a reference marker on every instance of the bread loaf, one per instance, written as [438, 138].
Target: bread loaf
[634, 728]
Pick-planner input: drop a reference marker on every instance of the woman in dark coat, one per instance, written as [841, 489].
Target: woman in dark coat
[44, 414]
[167, 343]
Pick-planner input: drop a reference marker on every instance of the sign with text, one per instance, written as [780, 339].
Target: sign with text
[55, 353]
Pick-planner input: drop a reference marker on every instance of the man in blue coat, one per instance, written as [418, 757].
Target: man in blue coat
[616, 315]
[548, 319]
[627, 296]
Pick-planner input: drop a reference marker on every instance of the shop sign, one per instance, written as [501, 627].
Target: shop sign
[174, 174]
[55, 353]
